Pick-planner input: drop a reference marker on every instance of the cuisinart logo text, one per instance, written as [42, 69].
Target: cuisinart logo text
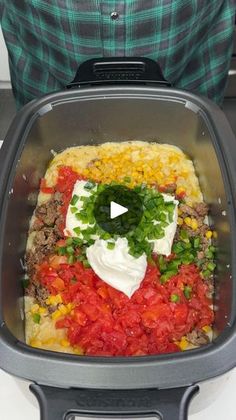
[112, 401]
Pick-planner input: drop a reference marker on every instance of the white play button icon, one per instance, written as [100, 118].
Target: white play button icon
[116, 210]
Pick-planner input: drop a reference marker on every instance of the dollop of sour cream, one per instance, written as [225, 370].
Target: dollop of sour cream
[163, 246]
[116, 266]
[71, 220]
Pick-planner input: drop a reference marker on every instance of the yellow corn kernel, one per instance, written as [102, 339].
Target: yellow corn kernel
[78, 350]
[49, 300]
[179, 212]
[207, 328]
[180, 221]
[180, 190]
[63, 309]
[209, 234]
[194, 224]
[214, 234]
[42, 310]
[183, 343]
[188, 221]
[64, 343]
[86, 172]
[59, 298]
[35, 343]
[49, 342]
[34, 308]
[56, 315]
[69, 306]
[54, 300]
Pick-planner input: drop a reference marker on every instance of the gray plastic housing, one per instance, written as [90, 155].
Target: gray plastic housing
[92, 116]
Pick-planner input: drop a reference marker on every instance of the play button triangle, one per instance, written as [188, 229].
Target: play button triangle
[117, 210]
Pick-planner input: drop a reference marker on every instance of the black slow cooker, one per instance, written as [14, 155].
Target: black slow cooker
[137, 107]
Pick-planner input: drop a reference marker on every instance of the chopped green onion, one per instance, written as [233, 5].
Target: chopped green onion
[86, 264]
[70, 250]
[209, 254]
[174, 298]
[61, 250]
[69, 241]
[184, 235]
[89, 185]
[187, 291]
[127, 179]
[105, 236]
[196, 242]
[77, 242]
[166, 276]
[77, 230]
[211, 266]
[178, 248]
[71, 259]
[74, 200]
[80, 257]
[206, 273]
[36, 318]
[110, 245]
[73, 210]
[212, 248]
[25, 283]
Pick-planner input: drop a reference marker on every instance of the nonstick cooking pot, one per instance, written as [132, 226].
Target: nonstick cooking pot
[136, 103]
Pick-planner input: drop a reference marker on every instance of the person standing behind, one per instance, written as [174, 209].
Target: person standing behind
[47, 40]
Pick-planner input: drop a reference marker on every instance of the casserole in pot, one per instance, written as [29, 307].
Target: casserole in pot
[90, 115]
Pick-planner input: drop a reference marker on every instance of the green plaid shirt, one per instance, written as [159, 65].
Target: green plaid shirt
[48, 39]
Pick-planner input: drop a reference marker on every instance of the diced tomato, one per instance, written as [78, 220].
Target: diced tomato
[56, 260]
[104, 321]
[61, 242]
[74, 334]
[102, 291]
[90, 310]
[44, 189]
[181, 313]
[58, 284]
[64, 323]
[80, 317]
[181, 195]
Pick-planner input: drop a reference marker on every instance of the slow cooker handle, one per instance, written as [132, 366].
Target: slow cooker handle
[58, 404]
[130, 70]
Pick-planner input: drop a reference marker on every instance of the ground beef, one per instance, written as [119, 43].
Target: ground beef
[201, 209]
[52, 308]
[198, 337]
[198, 212]
[92, 162]
[31, 259]
[38, 292]
[170, 188]
[187, 211]
[210, 284]
[57, 228]
[44, 244]
[58, 197]
[46, 226]
[48, 212]
[45, 238]
[37, 225]
[200, 255]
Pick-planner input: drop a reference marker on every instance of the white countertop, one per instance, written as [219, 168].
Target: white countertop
[17, 402]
